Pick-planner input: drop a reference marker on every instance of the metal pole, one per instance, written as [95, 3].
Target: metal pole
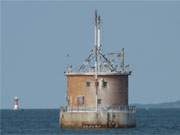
[97, 54]
[122, 59]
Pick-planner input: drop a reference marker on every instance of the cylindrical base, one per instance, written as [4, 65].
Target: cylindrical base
[118, 119]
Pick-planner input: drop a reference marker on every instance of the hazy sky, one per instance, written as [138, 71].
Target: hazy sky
[37, 36]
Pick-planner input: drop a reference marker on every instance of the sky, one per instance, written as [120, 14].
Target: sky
[36, 37]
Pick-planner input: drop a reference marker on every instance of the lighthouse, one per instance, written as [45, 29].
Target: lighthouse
[16, 103]
[97, 90]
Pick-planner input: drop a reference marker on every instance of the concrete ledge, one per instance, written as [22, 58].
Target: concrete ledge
[97, 119]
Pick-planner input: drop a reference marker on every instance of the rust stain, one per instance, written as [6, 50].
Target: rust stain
[115, 93]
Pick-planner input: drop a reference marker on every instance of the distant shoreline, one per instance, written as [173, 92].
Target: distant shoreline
[175, 104]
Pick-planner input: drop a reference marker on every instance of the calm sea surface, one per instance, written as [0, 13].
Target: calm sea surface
[45, 122]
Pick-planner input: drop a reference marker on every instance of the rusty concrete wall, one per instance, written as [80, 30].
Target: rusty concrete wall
[76, 86]
[104, 119]
[115, 93]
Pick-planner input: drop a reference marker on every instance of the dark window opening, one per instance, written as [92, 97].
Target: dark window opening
[88, 84]
[99, 101]
[104, 83]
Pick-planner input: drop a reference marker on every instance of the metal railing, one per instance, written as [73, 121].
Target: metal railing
[100, 109]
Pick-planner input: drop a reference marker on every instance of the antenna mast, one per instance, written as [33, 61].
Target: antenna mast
[97, 42]
[97, 53]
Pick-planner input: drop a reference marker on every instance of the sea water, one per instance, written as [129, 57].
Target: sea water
[45, 122]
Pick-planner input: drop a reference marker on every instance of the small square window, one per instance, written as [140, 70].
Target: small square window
[88, 84]
[99, 101]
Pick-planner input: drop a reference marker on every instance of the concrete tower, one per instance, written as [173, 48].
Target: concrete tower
[97, 93]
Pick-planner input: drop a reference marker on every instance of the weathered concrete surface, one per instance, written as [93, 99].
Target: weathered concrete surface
[114, 94]
[97, 119]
